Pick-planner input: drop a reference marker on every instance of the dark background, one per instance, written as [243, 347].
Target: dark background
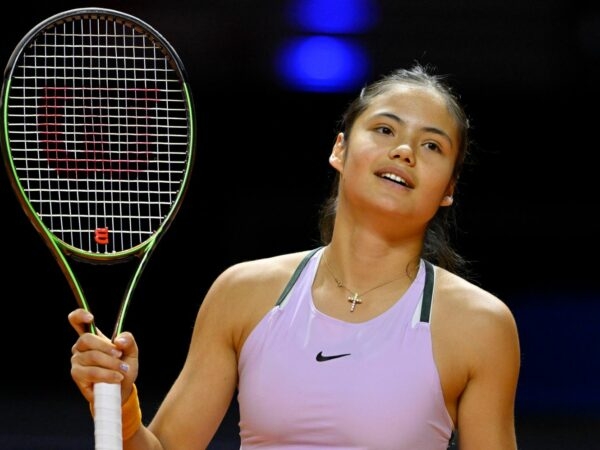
[528, 75]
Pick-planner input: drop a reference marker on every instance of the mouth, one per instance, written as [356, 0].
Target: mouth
[395, 178]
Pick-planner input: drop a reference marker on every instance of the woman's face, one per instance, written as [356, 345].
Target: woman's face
[400, 156]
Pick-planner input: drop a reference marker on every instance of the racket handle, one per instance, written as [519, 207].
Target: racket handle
[107, 416]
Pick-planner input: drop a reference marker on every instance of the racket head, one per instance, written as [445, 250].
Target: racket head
[98, 132]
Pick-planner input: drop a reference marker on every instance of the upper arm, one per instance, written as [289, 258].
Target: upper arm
[239, 298]
[198, 400]
[486, 406]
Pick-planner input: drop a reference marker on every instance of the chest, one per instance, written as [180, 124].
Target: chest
[306, 376]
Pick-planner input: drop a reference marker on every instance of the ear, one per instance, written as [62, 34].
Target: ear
[338, 152]
[448, 199]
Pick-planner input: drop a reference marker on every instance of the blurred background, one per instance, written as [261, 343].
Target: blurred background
[270, 80]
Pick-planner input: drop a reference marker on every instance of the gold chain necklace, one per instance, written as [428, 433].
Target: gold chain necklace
[354, 298]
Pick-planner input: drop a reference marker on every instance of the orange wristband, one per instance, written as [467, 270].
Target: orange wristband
[131, 415]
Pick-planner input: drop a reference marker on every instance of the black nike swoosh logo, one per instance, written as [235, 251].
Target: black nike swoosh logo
[321, 357]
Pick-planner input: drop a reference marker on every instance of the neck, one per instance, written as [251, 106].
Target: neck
[356, 290]
[364, 266]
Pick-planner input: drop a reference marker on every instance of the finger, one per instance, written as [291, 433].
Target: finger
[80, 320]
[126, 343]
[94, 360]
[89, 343]
[86, 376]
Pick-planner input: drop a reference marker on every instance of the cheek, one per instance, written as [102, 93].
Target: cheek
[357, 170]
[362, 153]
[441, 181]
[350, 162]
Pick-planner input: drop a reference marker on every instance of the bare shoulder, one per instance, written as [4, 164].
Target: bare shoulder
[474, 336]
[470, 323]
[472, 320]
[460, 299]
[268, 274]
[244, 292]
[476, 349]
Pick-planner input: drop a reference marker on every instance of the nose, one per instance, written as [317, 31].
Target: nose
[404, 152]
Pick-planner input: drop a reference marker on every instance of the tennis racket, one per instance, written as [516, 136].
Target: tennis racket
[98, 141]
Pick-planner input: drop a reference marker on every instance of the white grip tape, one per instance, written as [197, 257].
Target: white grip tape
[107, 416]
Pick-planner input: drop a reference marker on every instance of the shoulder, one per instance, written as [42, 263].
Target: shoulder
[474, 336]
[268, 272]
[464, 297]
[244, 292]
[472, 317]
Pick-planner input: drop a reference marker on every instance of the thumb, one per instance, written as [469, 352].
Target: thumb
[128, 346]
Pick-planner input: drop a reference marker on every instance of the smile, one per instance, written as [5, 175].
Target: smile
[395, 178]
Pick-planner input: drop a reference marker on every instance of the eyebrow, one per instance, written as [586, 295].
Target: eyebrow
[434, 130]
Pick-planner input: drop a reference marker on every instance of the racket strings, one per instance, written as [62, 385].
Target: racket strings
[99, 129]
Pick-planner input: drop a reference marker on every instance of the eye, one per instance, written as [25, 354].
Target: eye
[433, 146]
[383, 129]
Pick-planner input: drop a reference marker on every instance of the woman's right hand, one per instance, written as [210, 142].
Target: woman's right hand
[96, 359]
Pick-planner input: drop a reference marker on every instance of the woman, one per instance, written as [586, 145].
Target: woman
[373, 341]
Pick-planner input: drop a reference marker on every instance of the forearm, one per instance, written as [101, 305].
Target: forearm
[143, 439]
[135, 435]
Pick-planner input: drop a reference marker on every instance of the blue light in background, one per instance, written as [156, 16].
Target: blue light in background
[322, 64]
[334, 16]
[328, 58]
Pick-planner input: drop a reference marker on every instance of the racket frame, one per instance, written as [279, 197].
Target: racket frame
[59, 248]
[107, 408]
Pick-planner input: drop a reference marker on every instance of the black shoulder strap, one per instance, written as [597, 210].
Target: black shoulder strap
[295, 275]
[427, 292]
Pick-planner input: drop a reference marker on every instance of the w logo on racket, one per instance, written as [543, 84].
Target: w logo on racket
[82, 137]
[100, 130]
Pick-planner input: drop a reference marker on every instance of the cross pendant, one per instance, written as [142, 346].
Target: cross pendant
[354, 299]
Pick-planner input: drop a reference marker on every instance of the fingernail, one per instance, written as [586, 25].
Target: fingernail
[124, 367]
[116, 353]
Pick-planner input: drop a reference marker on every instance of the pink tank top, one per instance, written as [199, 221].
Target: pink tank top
[310, 381]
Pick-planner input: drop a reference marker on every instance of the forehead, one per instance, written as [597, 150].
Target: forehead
[412, 96]
[422, 104]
